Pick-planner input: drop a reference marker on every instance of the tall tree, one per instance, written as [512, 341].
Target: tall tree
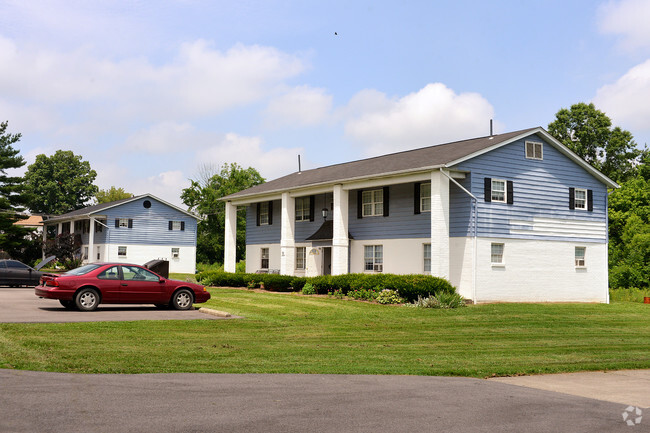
[203, 197]
[588, 132]
[59, 183]
[12, 237]
[112, 194]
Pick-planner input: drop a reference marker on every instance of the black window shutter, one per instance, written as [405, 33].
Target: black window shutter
[171, 225]
[511, 198]
[270, 213]
[312, 207]
[360, 204]
[130, 223]
[117, 223]
[487, 186]
[386, 201]
[182, 225]
[258, 213]
[416, 198]
[590, 200]
[572, 198]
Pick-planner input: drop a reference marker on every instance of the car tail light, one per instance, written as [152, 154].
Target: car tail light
[52, 283]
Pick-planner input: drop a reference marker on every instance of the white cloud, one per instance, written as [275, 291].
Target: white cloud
[626, 100]
[628, 18]
[161, 138]
[249, 152]
[433, 115]
[300, 106]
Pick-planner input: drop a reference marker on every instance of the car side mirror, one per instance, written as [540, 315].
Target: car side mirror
[162, 281]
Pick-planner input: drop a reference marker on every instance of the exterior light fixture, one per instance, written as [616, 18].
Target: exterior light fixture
[324, 211]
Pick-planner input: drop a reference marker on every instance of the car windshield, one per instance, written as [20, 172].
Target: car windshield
[82, 270]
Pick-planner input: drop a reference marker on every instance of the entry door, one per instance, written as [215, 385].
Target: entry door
[327, 261]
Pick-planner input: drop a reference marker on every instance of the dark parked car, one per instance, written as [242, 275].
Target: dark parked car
[118, 283]
[14, 273]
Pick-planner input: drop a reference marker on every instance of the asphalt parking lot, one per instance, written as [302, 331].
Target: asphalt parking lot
[21, 305]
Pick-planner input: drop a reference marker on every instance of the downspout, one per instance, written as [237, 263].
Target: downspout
[475, 209]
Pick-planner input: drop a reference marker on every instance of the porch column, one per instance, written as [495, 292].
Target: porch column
[287, 240]
[230, 247]
[91, 242]
[59, 229]
[439, 224]
[44, 240]
[340, 240]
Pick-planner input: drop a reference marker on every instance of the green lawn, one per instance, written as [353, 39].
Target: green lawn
[290, 333]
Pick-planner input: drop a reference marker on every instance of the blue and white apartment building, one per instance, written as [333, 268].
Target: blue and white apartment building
[514, 217]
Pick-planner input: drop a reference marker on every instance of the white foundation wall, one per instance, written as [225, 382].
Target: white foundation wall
[185, 263]
[401, 256]
[254, 257]
[533, 271]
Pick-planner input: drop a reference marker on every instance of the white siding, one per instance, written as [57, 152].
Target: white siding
[140, 254]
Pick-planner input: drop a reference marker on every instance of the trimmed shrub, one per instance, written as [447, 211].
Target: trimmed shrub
[308, 289]
[388, 296]
[440, 300]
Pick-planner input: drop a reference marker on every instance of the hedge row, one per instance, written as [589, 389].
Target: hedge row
[408, 286]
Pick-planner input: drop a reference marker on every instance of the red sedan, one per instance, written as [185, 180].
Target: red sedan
[118, 283]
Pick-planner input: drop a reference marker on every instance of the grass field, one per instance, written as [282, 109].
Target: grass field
[290, 333]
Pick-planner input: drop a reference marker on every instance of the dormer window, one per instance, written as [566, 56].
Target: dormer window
[534, 150]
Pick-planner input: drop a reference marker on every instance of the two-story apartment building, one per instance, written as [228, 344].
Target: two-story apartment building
[508, 217]
[133, 230]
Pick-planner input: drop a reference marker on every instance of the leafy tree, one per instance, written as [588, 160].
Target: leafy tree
[112, 194]
[60, 183]
[203, 196]
[588, 132]
[13, 238]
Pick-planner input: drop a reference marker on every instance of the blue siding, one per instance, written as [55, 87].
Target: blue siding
[304, 229]
[460, 208]
[541, 189]
[150, 226]
[400, 223]
[266, 234]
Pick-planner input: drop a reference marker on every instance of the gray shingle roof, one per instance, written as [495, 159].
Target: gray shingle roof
[395, 162]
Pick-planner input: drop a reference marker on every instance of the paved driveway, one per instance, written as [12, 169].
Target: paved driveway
[22, 305]
[57, 402]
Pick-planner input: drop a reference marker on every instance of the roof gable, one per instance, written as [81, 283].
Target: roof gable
[95, 209]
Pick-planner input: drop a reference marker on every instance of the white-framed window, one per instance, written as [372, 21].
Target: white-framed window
[123, 222]
[264, 213]
[99, 253]
[176, 252]
[580, 257]
[498, 190]
[85, 253]
[425, 197]
[176, 225]
[121, 251]
[496, 253]
[264, 254]
[301, 253]
[427, 257]
[373, 202]
[581, 199]
[534, 150]
[302, 209]
[373, 257]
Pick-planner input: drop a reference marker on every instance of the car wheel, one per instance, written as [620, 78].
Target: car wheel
[182, 300]
[67, 304]
[86, 299]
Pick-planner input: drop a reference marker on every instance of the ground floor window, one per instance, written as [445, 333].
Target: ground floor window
[580, 257]
[176, 252]
[373, 257]
[121, 251]
[497, 253]
[85, 253]
[300, 257]
[265, 258]
[427, 257]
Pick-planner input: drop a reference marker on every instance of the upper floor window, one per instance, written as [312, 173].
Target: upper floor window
[123, 223]
[264, 213]
[176, 225]
[303, 209]
[425, 197]
[580, 198]
[534, 150]
[373, 202]
[498, 190]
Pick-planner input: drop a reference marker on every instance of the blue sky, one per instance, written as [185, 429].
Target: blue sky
[152, 93]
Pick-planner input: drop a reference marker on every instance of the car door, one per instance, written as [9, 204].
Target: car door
[18, 273]
[110, 284]
[140, 286]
